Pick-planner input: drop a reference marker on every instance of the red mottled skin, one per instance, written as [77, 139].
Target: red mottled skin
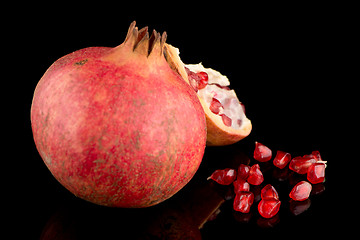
[116, 126]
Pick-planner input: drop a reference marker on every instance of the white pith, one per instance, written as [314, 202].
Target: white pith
[232, 107]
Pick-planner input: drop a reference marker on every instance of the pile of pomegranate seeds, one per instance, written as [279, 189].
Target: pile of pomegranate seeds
[246, 175]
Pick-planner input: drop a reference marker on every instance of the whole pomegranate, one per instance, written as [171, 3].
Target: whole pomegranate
[117, 126]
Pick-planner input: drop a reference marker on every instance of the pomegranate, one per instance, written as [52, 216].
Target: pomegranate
[117, 126]
[225, 114]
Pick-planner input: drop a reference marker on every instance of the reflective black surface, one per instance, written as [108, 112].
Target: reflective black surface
[201, 210]
[279, 66]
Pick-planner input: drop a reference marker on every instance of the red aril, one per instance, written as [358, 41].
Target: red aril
[224, 176]
[281, 159]
[302, 164]
[314, 154]
[316, 173]
[243, 201]
[226, 120]
[269, 192]
[197, 80]
[255, 175]
[301, 191]
[243, 171]
[268, 208]
[262, 153]
[112, 124]
[240, 185]
[203, 79]
[215, 106]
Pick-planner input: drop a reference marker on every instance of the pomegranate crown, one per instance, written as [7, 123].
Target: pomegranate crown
[140, 41]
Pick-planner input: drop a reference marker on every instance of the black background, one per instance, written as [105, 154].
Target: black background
[281, 63]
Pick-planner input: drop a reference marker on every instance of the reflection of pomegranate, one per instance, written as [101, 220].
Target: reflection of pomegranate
[117, 126]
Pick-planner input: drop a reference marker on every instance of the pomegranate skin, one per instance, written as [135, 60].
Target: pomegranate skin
[116, 126]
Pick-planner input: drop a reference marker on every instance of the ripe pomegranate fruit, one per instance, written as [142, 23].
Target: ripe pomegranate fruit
[225, 114]
[117, 126]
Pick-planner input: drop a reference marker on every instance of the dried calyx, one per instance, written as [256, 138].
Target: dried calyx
[140, 41]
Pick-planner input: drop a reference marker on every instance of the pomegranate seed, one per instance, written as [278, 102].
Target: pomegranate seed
[243, 171]
[239, 122]
[281, 159]
[255, 175]
[316, 154]
[193, 79]
[203, 79]
[316, 173]
[224, 177]
[243, 201]
[301, 191]
[222, 87]
[302, 164]
[240, 185]
[269, 192]
[215, 106]
[269, 207]
[226, 120]
[243, 107]
[262, 153]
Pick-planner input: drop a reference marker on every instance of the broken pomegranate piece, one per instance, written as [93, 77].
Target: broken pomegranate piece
[212, 87]
[228, 124]
[226, 111]
[301, 191]
[262, 153]
[224, 176]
